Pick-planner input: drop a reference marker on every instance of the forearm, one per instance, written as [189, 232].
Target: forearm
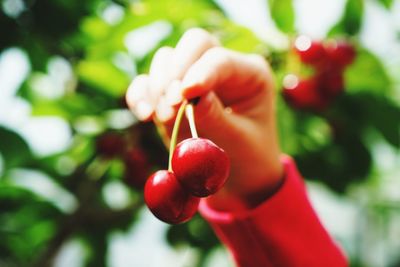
[282, 231]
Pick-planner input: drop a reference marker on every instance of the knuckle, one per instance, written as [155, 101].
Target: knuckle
[163, 51]
[260, 62]
[198, 35]
[218, 54]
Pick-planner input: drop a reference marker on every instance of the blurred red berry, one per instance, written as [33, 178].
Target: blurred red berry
[137, 168]
[310, 51]
[110, 144]
[330, 83]
[303, 94]
[341, 53]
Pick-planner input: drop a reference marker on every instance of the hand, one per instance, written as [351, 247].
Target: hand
[236, 109]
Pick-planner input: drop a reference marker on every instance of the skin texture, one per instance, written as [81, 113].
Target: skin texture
[236, 110]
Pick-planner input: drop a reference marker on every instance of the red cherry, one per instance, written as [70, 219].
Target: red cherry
[137, 168]
[303, 94]
[341, 53]
[110, 144]
[331, 83]
[310, 51]
[200, 166]
[167, 199]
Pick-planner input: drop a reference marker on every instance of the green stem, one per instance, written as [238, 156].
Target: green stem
[175, 131]
[190, 117]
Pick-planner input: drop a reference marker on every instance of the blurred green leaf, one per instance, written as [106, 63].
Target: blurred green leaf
[26, 223]
[379, 110]
[386, 3]
[72, 106]
[8, 31]
[104, 76]
[95, 28]
[196, 232]
[339, 164]
[367, 74]
[13, 148]
[352, 19]
[282, 13]
[239, 38]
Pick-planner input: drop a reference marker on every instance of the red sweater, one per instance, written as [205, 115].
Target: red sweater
[283, 231]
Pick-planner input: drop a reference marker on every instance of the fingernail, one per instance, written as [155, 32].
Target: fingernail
[143, 110]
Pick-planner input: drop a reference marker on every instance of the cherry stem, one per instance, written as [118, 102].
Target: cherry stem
[190, 117]
[175, 131]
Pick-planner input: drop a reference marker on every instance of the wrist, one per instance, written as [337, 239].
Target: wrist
[254, 198]
[229, 199]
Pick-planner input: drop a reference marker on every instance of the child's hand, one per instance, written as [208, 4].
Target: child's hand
[236, 109]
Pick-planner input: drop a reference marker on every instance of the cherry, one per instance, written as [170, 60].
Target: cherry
[329, 60]
[331, 83]
[200, 166]
[110, 144]
[303, 94]
[310, 51]
[137, 168]
[341, 53]
[167, 199]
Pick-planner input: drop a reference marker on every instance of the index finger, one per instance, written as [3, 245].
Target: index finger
[232, 75]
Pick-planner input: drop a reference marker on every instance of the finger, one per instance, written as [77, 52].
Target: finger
[189, 49]
[159, 74]
[232, 75]
[213, 121]
[164, 111]
[138, 99]
[173, 93]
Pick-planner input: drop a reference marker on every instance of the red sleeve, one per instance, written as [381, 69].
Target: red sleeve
[282, 231]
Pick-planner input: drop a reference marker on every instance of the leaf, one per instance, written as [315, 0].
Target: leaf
[239, 38]
[339, 164]
[72, 106]
[13, 148]
[352, 18]
[384, 116]
[282, 12]
[386, 3]
[104, 76]
[26, 224]
[367, 73]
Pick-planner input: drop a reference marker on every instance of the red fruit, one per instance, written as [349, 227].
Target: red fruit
[341, 53]
[200, 166]
[110, 144]
[137, 168]
[310, 51]
[167, 199]
[303, 94]
[331, 83]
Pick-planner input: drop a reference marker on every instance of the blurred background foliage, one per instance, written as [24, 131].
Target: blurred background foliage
[73, 159]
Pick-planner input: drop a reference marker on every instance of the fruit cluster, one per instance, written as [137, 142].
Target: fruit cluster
[329, 60]
[132, 147]
[197, 168]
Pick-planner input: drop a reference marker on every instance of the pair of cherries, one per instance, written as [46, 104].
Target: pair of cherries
[197, 168]
[329, 60]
